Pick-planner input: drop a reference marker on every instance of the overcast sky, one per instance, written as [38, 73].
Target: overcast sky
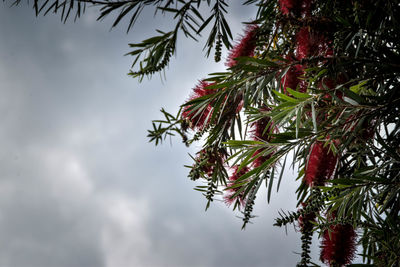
[79, 183]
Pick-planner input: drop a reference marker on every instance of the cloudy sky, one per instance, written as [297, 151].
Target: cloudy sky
[79, 183]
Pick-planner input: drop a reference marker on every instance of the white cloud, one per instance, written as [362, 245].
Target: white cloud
[79, 186]
[68, 46]
[124, 235]
[89, 17]
[65, 173]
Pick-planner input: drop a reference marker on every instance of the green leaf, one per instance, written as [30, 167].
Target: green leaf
[271, 181]
[314, 117]
[345, 181]
[358, 87]
[297, 94]
[281, 173]
[285, 97]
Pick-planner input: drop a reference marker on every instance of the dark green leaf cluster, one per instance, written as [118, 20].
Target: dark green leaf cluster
[160, 133]
[356, 118]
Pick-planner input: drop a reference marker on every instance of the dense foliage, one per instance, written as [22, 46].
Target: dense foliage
[311, 83]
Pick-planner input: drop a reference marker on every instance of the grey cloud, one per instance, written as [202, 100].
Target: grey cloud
[80, 185]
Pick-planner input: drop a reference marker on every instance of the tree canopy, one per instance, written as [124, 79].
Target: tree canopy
[313, 84]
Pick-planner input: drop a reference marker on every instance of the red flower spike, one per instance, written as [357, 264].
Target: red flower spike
[260, 132]
[198, 120]
[338, 245]
[213, 158]
[260, 159]
[303, 43]
[320, 166]
[291, 79]
[240, 106]
[327, 83]
[308, 44]
[312, 44]
[306, 8]
[305, 221]
[228, 198]
[295, 7]
[287, 6]
[245, 47]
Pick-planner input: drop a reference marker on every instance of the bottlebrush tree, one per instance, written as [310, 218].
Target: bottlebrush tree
[316, 81]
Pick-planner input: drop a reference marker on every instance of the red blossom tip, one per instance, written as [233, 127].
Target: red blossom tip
[312, 43]
[209, 159]
[305, 220]
[338, 245]
[245, 47]
[295, 7]
[228, 198]
[261, 131]
[320, 166]
[292, 78]
[286, 6]
[259, 160]
[198, 119]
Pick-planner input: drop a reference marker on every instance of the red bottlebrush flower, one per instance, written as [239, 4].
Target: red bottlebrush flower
[245, 47]
[305, 220]
[261, 131]
[296, 7]
[240, 106]
[320, 166]
[208, 159]
[312, 44]
[260, 159]
[287, 6]
[327, 83]
[291, 79]
[198, 120]
[303, 43]
[306, 8]
[338, 245]
[228, 198]
[231, 103]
